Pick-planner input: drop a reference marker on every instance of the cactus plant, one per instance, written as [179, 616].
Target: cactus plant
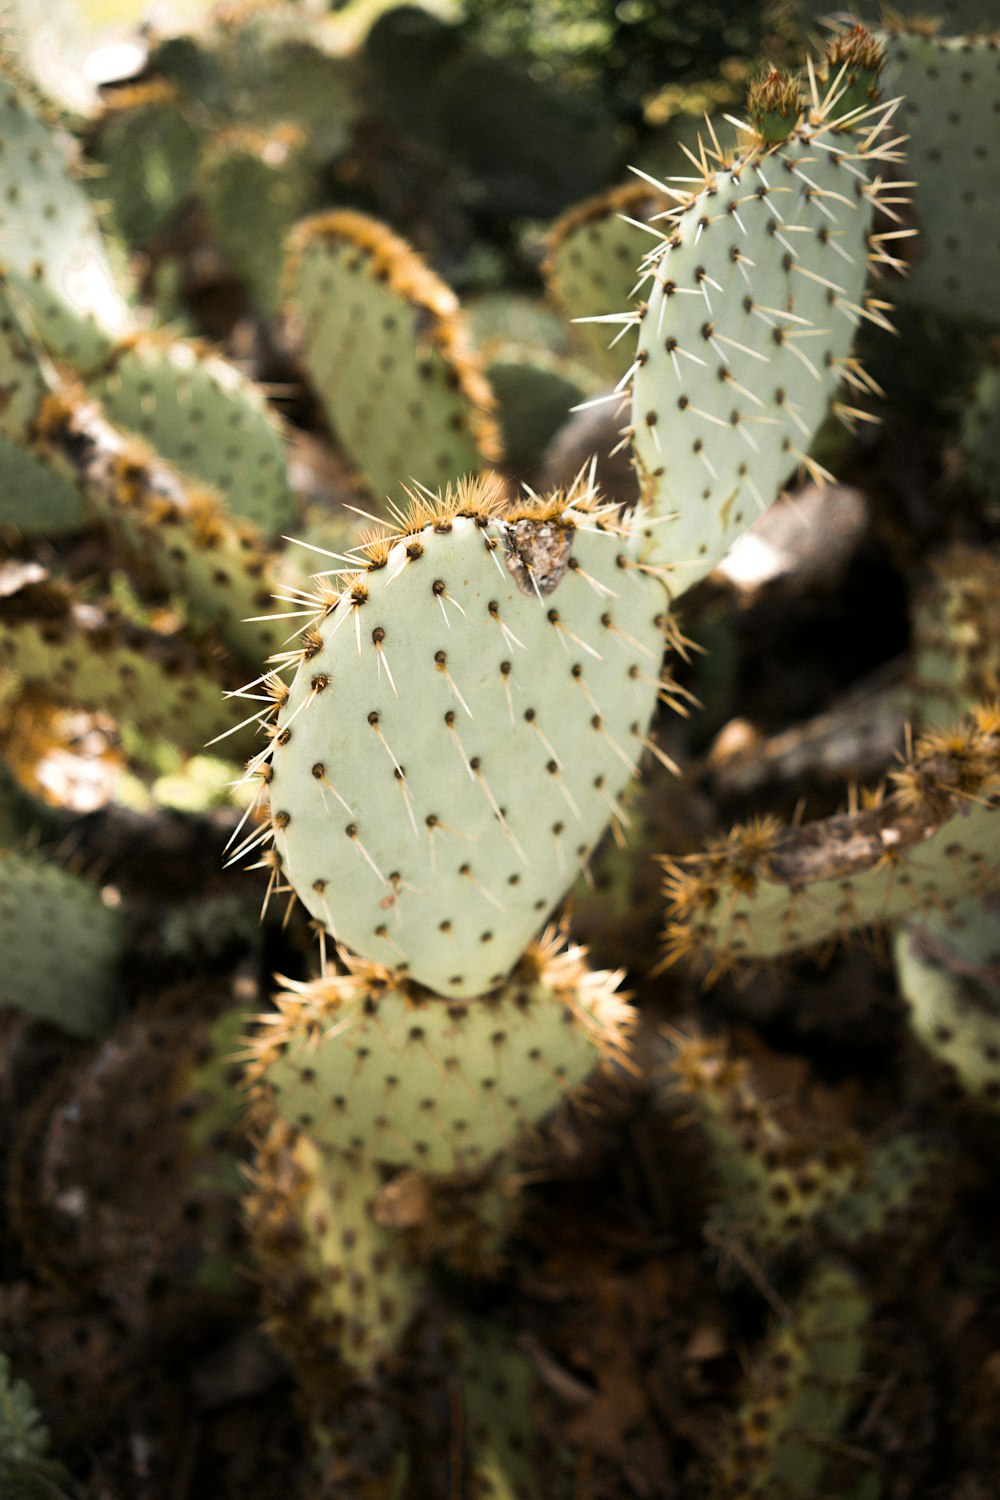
[387, 352]
[765, 891]
[949, 973]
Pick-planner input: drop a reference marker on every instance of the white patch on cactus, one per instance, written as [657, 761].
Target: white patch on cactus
[755, 295]
[452, 747]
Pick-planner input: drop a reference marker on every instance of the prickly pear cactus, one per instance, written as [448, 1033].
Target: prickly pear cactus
[949, 973]
[594, 252]
[956, 645]
[429, 794]
[949, 88]
[53, 253]
[366, 1071]
[59, 944]
[388, 355]
[800, 1393]
[765, 891]
[754, 296]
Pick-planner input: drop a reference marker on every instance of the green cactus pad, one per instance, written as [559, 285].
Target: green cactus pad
[800, 1394]
[592, 265]
[36, 499]
[498, 1405]
[956, 636]
[951, 92]
[949, 973]
[371, 1066]
[59, 946]
[199, 413]
[255, 185]
[454, 741]
[754, 297]
[339, 1290]
[53, 253]
[766, 891]
[145, 1129]
[89, 657]
[771, 1187]
[388, 355]
[981, 435]
[535, 393]
[148, 143]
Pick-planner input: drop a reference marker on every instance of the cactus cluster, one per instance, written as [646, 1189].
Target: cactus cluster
[445, 690]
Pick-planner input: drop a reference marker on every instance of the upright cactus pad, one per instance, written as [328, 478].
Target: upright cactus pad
[59, 946]
[951, 92]
[800, 1394]
[388, 355]
[754, 297]
[765, 892]
[52, 250]
[464, 717]
[199, 413]
[949, 973]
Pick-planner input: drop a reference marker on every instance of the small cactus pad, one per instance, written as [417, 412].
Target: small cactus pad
[59, 946]
[949, 973]
[766, 891]
[981, 435]
[464, 717]
[373, 1067]
[956, 636]
[201, 414]
[498, 1407]
[25, 1467]
[800, 1394]
[593, 255]
[951, 93]
[339, 1290]
[755, 294]
[52, 250]
[255, 185]
[388, 355]
[147, 142]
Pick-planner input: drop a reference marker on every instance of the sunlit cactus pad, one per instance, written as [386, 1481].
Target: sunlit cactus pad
[388, 355]
[52, 250]
[464, 716]
[754, 297]
[951, 94]
[766, 891]
[366, 1064]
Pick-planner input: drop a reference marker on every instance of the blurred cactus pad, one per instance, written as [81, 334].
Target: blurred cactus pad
[499, 750]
